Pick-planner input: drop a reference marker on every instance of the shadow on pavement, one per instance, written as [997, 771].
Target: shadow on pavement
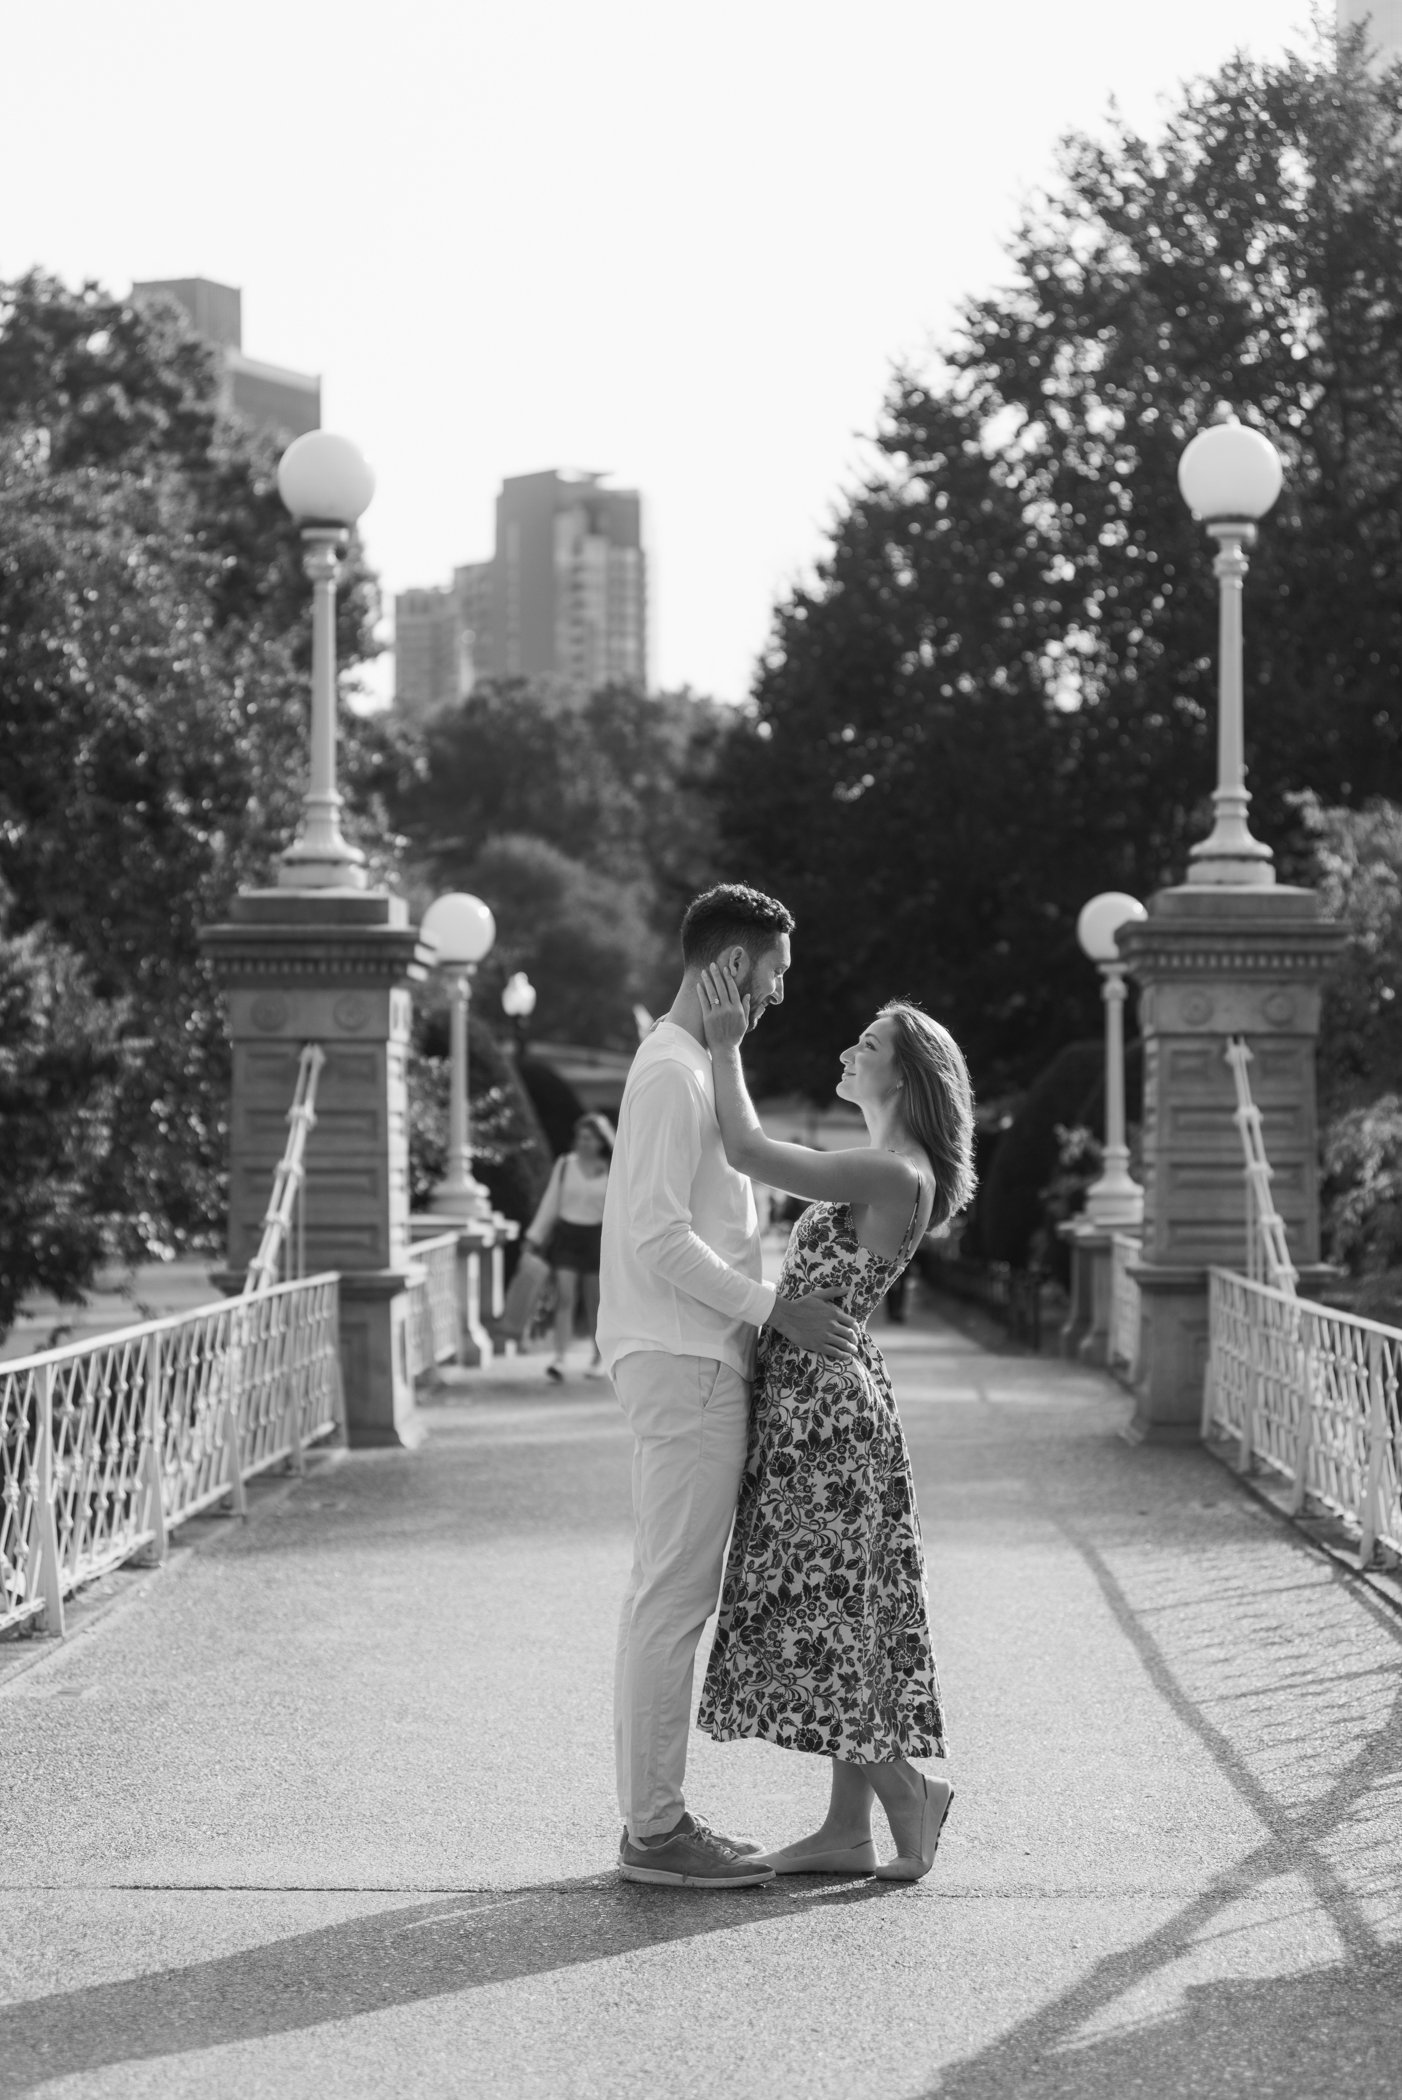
[370, 1964]
[1329, 1860]
[1333, 2032]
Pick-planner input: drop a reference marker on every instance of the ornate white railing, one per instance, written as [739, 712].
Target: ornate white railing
[1267, 1251]
[1312, 1393]
[1125, 1324]
[290, 1178]
[105, 1445]
[435, 1315]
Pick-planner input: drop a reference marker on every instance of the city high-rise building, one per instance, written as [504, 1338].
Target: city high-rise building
[1384, 24]
[265, 397]
[564, 598]
[432, 652]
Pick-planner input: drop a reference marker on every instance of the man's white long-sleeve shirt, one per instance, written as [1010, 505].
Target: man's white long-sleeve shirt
[680, 1269]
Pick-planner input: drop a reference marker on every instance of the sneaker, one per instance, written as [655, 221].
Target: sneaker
[691, 1856]
[555, 1372]
[744, 1846]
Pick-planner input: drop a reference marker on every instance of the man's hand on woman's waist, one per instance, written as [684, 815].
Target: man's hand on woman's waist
[816, 1323]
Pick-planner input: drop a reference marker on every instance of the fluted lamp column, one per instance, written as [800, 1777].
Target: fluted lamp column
[1229, 477]
[326, 485]
[462, 930]
[1116, 1199]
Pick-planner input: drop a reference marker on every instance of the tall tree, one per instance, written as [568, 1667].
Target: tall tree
[604, 815]
[152, 706]
[582, 937]
[59, 1064]
[999, 694]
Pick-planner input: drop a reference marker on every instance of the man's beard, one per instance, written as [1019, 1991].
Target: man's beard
[746, 988]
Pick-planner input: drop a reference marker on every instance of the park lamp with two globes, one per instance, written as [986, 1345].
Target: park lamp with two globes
[1229, 476]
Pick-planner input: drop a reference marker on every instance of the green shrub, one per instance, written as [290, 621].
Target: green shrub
[1362, 1203]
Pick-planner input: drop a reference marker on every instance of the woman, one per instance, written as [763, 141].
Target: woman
[567, 1229]
[823, 1639]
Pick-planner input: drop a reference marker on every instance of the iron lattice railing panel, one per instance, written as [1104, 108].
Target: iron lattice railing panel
[1336, 1380]
[106, 1445]
[197, 1411]
[21, 1412]
[1313, 1393]
[434, 1313]
[98, 1400]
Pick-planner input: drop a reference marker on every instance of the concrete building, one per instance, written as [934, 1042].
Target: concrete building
[267, 397]
[1384, 23]
[564, 598]
[433, 664]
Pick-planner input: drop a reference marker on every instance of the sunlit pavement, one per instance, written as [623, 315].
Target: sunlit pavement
[325, 1806]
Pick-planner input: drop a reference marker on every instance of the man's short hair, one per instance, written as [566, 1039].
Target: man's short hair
[732, 916]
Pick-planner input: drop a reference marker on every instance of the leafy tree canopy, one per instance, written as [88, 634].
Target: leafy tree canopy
[59, 1063]
[153, 625]
[582, 937]
[998, 694]
[619, 783]
[588, 828]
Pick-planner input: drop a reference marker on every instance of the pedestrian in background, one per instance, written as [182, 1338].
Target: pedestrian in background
[566, 1231]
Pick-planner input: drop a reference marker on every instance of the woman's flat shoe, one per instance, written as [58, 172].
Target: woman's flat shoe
[905, 1867]
[853, 1859]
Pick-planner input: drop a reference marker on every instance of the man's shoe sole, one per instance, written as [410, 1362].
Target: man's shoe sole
[664, 1878]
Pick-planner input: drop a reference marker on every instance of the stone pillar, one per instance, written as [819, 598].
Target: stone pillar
[1212, 962]
[330, 967]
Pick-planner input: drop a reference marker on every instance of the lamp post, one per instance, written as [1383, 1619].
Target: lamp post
[463, 930]
[1229, 477]
[326, 485]
[518, 1004]
[1116, 1199]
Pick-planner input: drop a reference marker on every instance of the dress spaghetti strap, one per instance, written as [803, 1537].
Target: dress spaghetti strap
[907, 1246]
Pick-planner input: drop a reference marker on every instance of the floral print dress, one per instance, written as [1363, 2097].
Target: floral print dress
[823, 1640]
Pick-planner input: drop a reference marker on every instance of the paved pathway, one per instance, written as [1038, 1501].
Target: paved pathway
[324, 1807]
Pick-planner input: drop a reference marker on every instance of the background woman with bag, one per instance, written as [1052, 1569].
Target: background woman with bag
[567, 1229]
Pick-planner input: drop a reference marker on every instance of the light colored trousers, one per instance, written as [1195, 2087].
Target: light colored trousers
[690, 1417]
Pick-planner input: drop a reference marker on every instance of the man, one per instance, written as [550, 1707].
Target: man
[681, 1301]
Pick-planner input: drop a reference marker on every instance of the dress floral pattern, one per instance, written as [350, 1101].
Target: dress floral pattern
[823, 1640]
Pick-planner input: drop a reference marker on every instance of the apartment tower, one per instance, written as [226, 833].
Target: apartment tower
[266, 397]
[564, 597]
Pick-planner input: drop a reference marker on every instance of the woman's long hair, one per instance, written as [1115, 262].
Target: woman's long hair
[939, 1103]
[603, 1131]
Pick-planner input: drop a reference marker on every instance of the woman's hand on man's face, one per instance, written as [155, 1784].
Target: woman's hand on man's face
[725, 1014]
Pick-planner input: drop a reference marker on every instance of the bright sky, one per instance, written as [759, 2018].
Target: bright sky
[683, 243]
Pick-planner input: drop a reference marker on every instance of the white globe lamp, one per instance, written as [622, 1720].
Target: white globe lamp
[1101, 920]
[1230, 471]
[461, 928]
[324, 480]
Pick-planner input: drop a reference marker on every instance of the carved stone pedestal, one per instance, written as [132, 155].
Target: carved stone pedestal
[1212, 962]
[330, 967]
